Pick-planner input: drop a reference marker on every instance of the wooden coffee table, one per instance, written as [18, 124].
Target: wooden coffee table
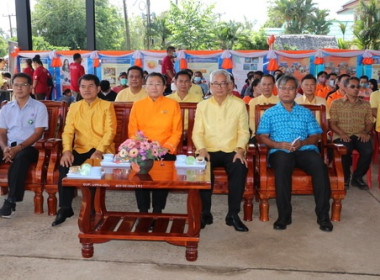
[103, 225]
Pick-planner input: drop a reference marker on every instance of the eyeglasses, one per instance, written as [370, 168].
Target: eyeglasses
[154, 85]
[24, 85]
[353, 86]
[221, 85]
[287, 88]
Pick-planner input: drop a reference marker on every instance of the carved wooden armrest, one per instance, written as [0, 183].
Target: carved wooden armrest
[339, 148]
[262, 159]
[251, 154]
[40, 166]
[54, 146]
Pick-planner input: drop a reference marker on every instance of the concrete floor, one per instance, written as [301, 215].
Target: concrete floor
[31, 249]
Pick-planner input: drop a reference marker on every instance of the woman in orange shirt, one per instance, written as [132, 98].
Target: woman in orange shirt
[159, 118]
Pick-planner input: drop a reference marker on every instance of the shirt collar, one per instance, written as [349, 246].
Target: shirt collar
[307, 100]
[358, 101]
[228, 97]
[14, 103]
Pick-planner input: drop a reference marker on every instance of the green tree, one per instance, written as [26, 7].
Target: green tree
[228, 34]
[343, 27]
[3, 44]
[137, 28]
[318, 23]
[61, 23]
[298, 16]
[109, 26]
[191, 24]
[367, 25]
[239, 36]
[160, 32]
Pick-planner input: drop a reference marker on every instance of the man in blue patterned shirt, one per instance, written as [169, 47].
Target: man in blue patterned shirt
[292, 133]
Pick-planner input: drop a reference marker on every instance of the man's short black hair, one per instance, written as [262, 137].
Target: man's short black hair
[135, 67]
[346, 82]
[66, 91]
[308, 77]
[7, 75]
[183, 72]
[156, 74]
[89, 77]
[321, 73]
[268, 76]
[332, 74]
[76, 56]
[170, 48]
[340, 77]
[364, 77]
[22, 75]
[123, 74]
[104, 85]
[260, 73]
[190, 72]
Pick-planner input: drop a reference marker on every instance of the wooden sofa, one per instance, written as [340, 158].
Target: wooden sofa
[186, 146]
[301, 182]
[36, 177]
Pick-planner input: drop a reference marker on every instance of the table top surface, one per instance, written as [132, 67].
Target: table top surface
[163, 175]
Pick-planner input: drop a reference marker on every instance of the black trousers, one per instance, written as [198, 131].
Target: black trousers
[158, 196]
[66, 194]
[18, 171]
[237, 174]
[309, 161]
[365, 155]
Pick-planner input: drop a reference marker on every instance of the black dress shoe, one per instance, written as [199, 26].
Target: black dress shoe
[62, 215]
[281, 224]
[325, 224]
[358, 182]
[206, 219]
[234, 220]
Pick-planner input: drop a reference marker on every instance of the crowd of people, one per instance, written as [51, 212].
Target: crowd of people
[222, 128]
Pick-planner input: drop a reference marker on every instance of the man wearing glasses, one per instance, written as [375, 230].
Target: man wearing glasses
[22, 123]
[351, 120]
[292, 133]
[220, 135]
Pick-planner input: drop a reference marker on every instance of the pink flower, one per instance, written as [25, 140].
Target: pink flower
[145, 146]
[133, 153]
[155, 152]
[131, 144]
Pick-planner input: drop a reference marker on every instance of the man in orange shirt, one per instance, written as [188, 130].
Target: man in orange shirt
[159, 118]
[322, 89]
[340, 92]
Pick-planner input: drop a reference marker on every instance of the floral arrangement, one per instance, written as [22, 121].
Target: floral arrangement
[139, 149]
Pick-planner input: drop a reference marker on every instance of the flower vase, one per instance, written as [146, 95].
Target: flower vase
[145, 166]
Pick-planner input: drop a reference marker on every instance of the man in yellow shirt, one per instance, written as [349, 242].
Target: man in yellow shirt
[221, 135]
[308, 85]
[195, 89]
[182, 81]
[135, 91]
[266, 86]
[91, 125]
[159, 118]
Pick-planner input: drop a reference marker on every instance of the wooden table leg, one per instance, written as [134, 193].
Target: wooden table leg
[191, 251]
[194, 212]
[87, 249]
